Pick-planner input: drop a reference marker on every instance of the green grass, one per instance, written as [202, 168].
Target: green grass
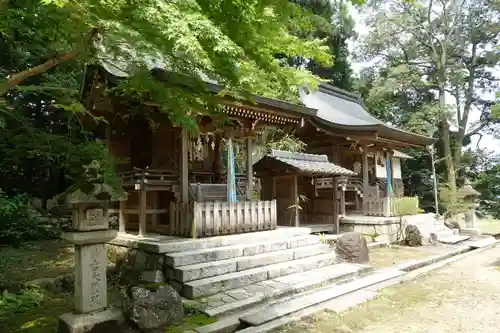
[45, 259]
[391, 303]
[488, 225]
[32, 261]
[191, 323]
[388, 256]
[42, 318]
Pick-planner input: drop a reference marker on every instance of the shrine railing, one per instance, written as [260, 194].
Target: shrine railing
[392, 206]
[205, 219]
[149, 176]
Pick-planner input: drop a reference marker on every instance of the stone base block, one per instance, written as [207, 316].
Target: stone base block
[470, 232]
[105, 321]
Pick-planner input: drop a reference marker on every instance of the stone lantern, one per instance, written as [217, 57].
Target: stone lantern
[89, 235]
[469, 196]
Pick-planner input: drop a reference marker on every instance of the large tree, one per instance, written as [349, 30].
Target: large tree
[333, 24]
[439, 48]
[232, 42]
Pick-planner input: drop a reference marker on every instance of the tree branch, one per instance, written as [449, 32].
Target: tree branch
[15, 79]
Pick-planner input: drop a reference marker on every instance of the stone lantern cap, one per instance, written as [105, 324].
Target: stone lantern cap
[467, 190]
[100, 195]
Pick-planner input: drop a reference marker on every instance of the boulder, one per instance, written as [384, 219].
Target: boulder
[152, 307]
[413, 237]
[451, 224]
[352, 247]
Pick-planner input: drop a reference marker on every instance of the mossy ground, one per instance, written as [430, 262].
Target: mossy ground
[191, 323]
[44, 259]
[35, 260]
[388, 256]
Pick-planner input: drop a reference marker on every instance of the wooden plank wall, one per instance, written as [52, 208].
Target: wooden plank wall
[221, 218]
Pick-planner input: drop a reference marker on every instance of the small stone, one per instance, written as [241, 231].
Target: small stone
[152, 307]
[413, 237]
[352, 247]
[452, 224]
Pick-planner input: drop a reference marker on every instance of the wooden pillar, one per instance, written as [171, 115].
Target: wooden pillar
[335, 213]
[295, 197]
[274, 187]
[217, 165]
[122, 218]
[391, 167]
[155, 217]
[184, 167]
[249, 169]
[342, 201]
[142, 206]
[389, 190]
[366, 183]
[231, 187]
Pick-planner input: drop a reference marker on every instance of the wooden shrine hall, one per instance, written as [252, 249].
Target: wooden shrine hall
[203, 185]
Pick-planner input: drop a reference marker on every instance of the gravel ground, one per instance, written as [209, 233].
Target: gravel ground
[463, 297]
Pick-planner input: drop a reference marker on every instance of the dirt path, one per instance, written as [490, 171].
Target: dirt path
[463, 297]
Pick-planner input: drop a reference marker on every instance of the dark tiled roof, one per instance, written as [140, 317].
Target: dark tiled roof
[309, 163]
[345, 110]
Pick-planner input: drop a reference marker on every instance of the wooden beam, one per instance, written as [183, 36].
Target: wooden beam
[366, 183]
[342, 202]
[335, 213]
[184, 167]
[142, 211]
[217, 165]
[155, 218]
[295, 196]
[249, 169]
[229, 169]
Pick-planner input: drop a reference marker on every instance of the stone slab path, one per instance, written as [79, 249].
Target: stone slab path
[463, 297]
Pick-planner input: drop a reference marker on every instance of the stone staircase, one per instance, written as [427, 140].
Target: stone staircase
[246, 272]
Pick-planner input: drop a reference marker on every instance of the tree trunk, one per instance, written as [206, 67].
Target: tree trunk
[15, 79]
[457, 153]
[445, 135]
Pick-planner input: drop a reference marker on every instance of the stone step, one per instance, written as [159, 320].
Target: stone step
[183, 245]
[308, 299]
[209, 269]
[254, 294]
[487, 241]
[179, 259]
[217, 284]
[454, 239]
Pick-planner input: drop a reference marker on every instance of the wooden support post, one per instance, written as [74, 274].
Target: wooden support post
[142, 208]
[295, 197]
[366, 183]
[231, 187]
[335, 213]
[249, 169]
[274, 188]
[342, 201]
[122, 218]
[391, 168]
[184, 167]
[217, 166]
[155, 217]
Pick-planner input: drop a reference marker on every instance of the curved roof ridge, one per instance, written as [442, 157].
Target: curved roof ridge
[332, 90]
